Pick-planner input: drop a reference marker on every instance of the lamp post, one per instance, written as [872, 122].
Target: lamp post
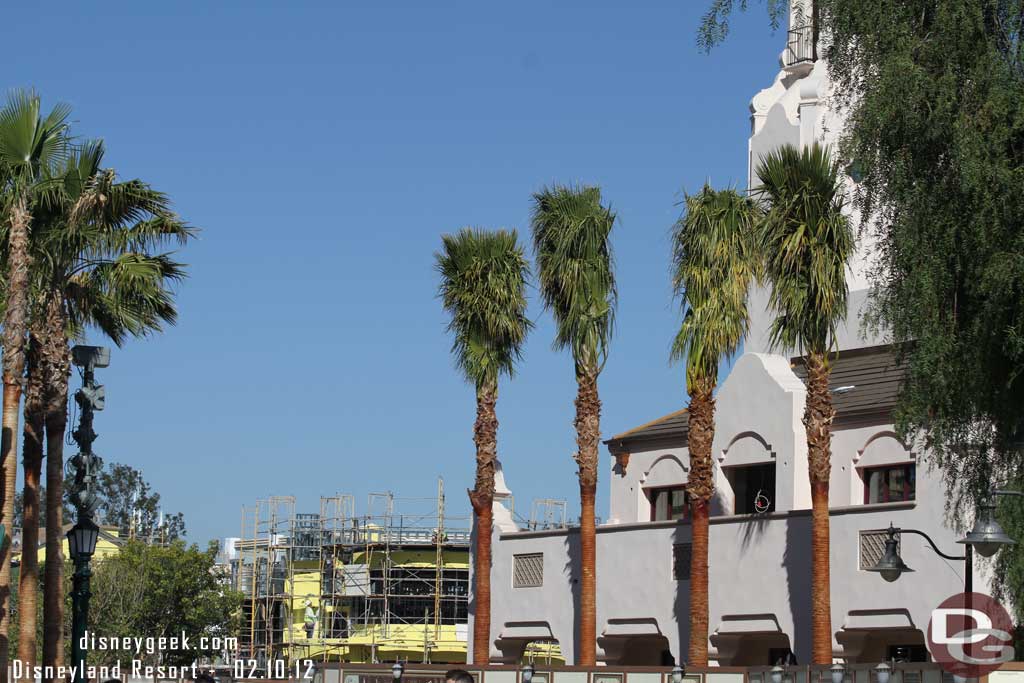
[82, 543]
[987, 537]
[83, 468]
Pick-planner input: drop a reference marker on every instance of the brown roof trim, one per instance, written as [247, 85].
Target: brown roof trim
[626, 434]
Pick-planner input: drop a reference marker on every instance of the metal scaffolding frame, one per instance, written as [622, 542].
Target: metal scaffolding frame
[378, 574]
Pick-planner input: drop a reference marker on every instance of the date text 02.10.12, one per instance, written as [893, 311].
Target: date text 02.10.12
[275, 669]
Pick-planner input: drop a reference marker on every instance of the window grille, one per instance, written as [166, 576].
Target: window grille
[528, 570]
[872, 547]
[681, 555]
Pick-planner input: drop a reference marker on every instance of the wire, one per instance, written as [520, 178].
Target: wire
[70, 426]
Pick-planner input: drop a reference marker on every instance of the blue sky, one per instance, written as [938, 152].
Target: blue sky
[323, 148]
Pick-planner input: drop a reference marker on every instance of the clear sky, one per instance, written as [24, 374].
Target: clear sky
[323, 148]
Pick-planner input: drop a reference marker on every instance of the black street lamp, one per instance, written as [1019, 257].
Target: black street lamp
[82, 543]
[83, 469]
[891, 566]
[987, 537]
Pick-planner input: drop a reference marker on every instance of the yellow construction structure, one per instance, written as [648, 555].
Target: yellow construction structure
[389, 585]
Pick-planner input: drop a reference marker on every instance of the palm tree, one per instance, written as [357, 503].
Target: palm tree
[483, 289]
[92, 259]
[714, 264]
[29, 144]
[807, 241]
[577, 281]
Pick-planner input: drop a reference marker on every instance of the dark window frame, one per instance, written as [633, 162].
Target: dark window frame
[768, 471]
[909, 470]
[652, 498]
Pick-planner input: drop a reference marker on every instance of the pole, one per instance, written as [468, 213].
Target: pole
[968, 569]
[80, 614]
[83, 496]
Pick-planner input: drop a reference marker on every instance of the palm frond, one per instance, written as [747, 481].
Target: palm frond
[483, 289]
[807, 243]
[715, 261]
[127, 296]
[30, 142]
[571, 230]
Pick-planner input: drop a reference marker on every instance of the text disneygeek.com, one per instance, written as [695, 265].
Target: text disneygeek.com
[136, 645]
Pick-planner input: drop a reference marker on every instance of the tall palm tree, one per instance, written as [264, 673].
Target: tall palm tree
[29, 144]
[483, 289]
[91, 248]
[807, 242]
[715, 261]
[571, 230]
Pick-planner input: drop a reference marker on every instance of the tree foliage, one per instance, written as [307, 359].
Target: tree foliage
[157, 591]
[571, 230]
[714, 26]
[806, 242]
[124, 494]
[715, 261]
[483, 289]
[935, 98]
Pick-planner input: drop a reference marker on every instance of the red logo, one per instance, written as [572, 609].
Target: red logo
[970, 635]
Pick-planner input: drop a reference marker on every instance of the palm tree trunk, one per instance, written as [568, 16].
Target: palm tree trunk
[700, 488]
[588, 435]
[15, 322]
[818, 416]
[32, 457]
[56, 364]
[485, 436]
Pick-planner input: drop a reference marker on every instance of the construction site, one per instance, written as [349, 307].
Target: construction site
[391, 584]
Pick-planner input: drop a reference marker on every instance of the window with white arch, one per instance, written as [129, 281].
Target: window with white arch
[663, 489]
[887, 470]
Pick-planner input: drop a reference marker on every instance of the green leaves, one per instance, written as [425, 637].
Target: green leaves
[571, 230]
[95, 241]
[934, 97]
[806, 241]
[715, 261]
[483, 289]
[29, 141]
[714, 26]
[156, 591]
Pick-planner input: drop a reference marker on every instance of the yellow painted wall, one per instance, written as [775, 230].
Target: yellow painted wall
[104, 548]
[403, 640]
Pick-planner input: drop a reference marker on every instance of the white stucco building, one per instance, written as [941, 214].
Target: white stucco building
[759, 565]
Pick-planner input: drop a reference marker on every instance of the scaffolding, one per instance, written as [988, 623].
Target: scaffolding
[387, 585]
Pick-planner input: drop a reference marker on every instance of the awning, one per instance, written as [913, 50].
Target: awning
[748, 623]
[870, 620]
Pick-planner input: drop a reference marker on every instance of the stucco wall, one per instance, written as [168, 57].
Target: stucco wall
[760, 565]
[760, 573]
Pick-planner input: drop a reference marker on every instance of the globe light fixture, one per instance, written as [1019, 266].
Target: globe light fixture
[776, 674]
[677, 674]
[527, 673]
[838, 672]
[397, 670]
[882, 672]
